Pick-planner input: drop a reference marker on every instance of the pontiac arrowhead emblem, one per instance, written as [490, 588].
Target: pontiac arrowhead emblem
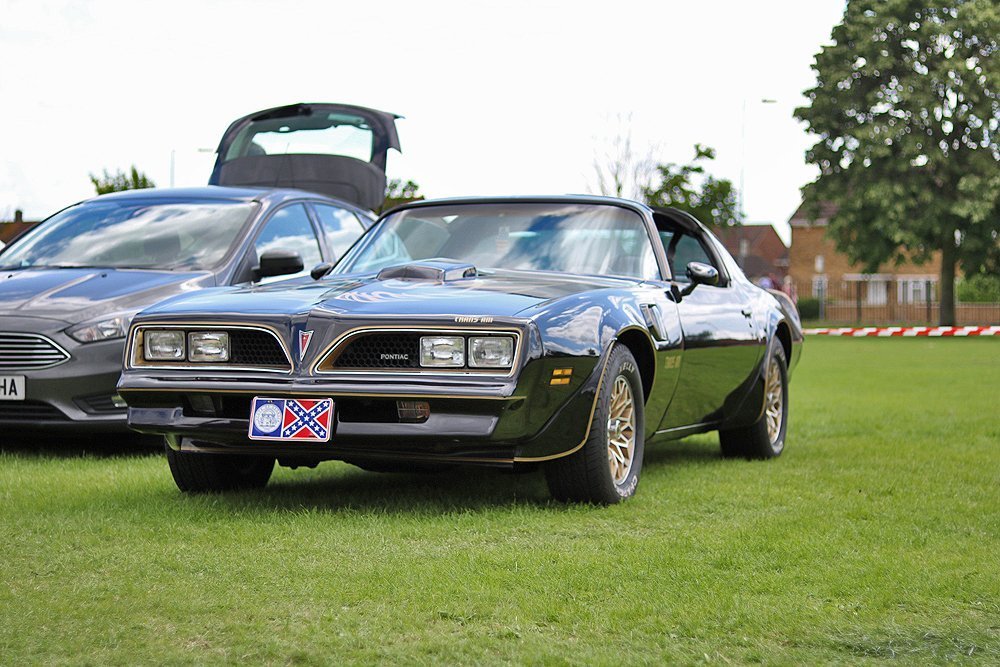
[304, 338]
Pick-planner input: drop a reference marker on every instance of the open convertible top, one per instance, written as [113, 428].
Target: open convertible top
[338, 150]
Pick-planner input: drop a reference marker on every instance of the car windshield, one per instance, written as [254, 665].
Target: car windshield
[595, 239]
[139, 235]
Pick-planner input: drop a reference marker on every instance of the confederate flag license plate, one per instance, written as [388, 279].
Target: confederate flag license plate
[291, 419]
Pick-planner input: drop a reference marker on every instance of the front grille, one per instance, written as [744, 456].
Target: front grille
[29, 351]
[30, 411]
[248, 347]
[381, 350]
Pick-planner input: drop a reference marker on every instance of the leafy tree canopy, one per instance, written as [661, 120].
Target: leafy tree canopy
[397, 192]
[907, 113]
[688, 188]
[119, 181]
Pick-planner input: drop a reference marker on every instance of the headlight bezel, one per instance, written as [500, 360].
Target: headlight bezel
[326, 362]
[135, 348]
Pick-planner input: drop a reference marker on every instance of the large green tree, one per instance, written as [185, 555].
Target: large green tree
[120, 180]
[906, 110]
[687, 187]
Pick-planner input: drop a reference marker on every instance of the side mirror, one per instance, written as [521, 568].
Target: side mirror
[278, 263]
[321, 270]
[698, 274]
[702, 274]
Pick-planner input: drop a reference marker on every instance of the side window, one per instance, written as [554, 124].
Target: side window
[681, 249]
[340, 227]
[289, 229]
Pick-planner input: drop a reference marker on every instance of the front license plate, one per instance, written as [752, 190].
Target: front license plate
[11, 387]
[291, 419]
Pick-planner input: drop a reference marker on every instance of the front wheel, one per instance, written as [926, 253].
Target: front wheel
[764, 439]
[206, 473]
[605, 470]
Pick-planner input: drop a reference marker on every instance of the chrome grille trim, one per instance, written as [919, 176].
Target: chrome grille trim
[133, 350]
[346, 337]
[30, 351]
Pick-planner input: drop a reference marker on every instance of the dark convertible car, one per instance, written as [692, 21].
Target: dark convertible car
[69, 287]
[568, 332]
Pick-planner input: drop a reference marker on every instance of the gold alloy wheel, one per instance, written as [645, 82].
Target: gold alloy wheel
[621, 430]
[774, 404]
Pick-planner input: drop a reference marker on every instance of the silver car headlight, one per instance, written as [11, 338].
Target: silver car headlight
[442, 351]
[163, 345]
[105, 329]
[207, 346]
[491, 352]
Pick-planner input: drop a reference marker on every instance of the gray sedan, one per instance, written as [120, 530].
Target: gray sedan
[70, 287]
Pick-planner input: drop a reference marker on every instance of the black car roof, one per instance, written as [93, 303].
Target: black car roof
[529, 199]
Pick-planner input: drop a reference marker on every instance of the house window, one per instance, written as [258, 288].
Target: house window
[914, 290]
[819, 287]
[876, 293]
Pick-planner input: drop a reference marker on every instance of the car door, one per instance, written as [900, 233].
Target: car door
[721, 343]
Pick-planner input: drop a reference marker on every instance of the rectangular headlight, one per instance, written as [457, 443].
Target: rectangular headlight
[208, 346]
[491, 352]
[163, 345]
[442, 351]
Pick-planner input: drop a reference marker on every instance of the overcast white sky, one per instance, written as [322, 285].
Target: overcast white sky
[499, 97]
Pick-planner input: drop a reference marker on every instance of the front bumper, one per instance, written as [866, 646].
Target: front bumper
[489, 422]
[75, 395]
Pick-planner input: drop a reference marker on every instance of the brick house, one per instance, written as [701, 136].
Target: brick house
[817, 268]
[11, 228]
[757, 249]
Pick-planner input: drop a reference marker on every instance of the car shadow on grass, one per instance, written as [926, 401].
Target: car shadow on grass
[345, 487]
[339, 487]
[102, 445]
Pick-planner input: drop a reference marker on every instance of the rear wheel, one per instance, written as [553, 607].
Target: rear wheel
[764, 439]
[206, 473]
[606, 469]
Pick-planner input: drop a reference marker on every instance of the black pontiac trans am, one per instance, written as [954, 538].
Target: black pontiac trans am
[567, 332]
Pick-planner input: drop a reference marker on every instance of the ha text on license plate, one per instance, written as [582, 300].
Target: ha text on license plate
[291, 419]
[11, 387]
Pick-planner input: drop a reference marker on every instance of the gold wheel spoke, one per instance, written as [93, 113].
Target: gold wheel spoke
[621, 429]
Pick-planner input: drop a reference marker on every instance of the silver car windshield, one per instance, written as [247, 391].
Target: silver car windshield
[166, 236]
[592, 239]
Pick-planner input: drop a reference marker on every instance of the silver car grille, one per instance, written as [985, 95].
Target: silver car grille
[29, 351]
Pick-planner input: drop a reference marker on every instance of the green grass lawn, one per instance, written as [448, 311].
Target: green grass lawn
[876, 535]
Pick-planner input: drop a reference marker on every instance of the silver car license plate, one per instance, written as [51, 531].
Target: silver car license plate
[11, 387]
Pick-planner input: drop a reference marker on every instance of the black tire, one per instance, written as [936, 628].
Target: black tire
[212, 473]
[758, 441]
[586, 475]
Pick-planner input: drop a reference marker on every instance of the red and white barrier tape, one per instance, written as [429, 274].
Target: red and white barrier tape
[907, 331]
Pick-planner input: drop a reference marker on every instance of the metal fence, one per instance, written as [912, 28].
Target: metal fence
[902, 301]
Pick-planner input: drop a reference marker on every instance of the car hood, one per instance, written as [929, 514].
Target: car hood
[498, 294]
[76, 295]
